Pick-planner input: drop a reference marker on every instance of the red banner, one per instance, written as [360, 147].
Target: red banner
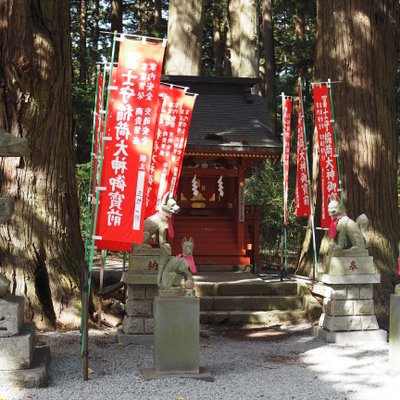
[302, 192]
[180, 141]
[163, 146]
[327, 160]
[286, 123]
[132, 113]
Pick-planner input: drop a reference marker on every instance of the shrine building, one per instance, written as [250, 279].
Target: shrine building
[228, 138]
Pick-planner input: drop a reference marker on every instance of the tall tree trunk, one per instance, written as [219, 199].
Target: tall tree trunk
[299, 31]
[157, 15]
[185, 36]
[41, 247]
[357, 45]
[82, 42]
[96, 30]
[269, 69]
[218, 35]
[116, 15]
[243, 40]
[234, 35]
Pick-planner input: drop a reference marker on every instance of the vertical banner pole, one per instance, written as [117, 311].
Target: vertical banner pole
[101, 286]
[87, 283]
[312, 210]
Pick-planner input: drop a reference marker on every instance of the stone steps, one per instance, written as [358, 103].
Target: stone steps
[251, 319]
[248, 301]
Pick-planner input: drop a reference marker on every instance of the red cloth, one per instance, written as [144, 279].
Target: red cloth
[332, 227]
[190, 260]
[171, 232]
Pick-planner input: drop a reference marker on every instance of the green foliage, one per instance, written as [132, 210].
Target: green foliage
[82, 106]
[82, 172]
[265, 189]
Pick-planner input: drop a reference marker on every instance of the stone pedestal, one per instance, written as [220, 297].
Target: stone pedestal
[348, 307]
[21, 363]
[176, 339]
[394, 332]
[141, 281]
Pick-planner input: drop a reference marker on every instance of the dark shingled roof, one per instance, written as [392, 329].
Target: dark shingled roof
[227, 117]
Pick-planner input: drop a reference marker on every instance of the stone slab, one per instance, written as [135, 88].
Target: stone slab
[34, 377]
[176, 336]
[150, 373]
[127, 339]
[17, 351]
[11, 314]
[373, 336]
[394, 331]
[350, 279]
[139, 279]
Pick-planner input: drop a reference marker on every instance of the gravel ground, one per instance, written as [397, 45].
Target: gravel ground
[265, 364]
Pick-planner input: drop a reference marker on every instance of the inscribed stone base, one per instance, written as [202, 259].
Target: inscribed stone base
[394, 332]
[373, 336]
[176, 335]
[35, 376]
[11, 315]
[150, 373]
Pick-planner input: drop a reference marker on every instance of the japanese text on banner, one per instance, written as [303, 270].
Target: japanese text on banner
[287, 115]
[163, 146]
[302, 192]
[130, 130]
[180, 141]
[327, 150]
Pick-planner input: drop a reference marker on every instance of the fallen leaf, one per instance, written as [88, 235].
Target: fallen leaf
[210, 346]
[90, 370]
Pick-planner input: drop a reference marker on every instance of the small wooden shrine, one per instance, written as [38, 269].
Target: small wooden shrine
[228, 138]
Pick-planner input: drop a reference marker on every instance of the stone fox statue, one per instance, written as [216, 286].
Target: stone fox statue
[172, 268]
[344, 228]
[157, 225]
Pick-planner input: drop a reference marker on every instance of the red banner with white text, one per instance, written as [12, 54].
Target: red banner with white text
[132, 113]
[327, 161]
[286, 122]
[180, 141]
[163, 146]
[302, 191]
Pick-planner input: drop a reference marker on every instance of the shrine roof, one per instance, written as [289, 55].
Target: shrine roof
[227, 117]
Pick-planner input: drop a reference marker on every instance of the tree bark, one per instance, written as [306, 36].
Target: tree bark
[269, 69]
[357, 44]
[41, 247]
[82, 42]
[185, 37]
